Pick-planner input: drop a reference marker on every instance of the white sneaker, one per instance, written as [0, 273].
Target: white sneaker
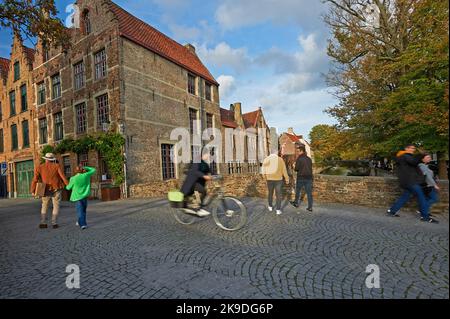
[77, 224]
[189, 211]
[279, 212]
[270, 208]
[203, 213]
[83, 227]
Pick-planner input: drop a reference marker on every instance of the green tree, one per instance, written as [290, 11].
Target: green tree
[391, 73]
[34, 18]
[331, 143]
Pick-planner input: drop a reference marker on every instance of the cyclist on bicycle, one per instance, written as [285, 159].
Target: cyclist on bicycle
[196, 177]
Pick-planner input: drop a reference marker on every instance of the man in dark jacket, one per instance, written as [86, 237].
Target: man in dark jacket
[196, 177]
[410, 178]
[303, 167]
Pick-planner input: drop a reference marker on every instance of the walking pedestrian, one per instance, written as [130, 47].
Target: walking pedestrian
[50, 174]
[80, 184]
[274, 169]
[430, 187]
[410, 178]
[303, 167]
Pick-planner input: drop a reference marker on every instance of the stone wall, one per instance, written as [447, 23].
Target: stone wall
[365, 191]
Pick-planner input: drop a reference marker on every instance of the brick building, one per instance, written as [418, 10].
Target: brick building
[249, 122]
[122, 75]
[16, 121]
[289, 139]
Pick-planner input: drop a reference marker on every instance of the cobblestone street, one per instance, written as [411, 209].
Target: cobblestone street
[136, 249]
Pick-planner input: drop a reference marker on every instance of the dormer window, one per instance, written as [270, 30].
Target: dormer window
[87, 23]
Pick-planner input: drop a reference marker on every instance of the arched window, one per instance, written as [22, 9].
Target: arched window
[87, 22]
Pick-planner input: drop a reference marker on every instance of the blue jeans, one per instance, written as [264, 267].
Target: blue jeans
[407, 193]
[81, 206]
[307, 184]
[432, 197]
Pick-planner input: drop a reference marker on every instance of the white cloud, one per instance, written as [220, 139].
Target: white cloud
[225, 56]
[282, 110]
[302, 70]
[227, 85]
[171, 3]
[184, 33]
[297, 83]
[233, 14]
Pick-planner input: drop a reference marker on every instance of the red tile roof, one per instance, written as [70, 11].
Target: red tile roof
[29, 52]
[4, 67]
[227, 118]
[251, 118]
[294, 138]
[143, 34]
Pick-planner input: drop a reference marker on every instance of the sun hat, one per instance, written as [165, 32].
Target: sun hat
[49, 157]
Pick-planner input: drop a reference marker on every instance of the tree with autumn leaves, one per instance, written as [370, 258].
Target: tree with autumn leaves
[390, 74]
[34, 18]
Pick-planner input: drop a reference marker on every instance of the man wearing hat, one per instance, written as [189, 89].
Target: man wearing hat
[51, 175]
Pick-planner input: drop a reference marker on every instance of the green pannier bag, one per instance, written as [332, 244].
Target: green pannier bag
[176, 196]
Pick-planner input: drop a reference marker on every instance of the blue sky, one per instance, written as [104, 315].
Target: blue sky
[268, 53]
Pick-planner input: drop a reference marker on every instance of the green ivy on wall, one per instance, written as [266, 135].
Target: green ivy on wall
[109, 145]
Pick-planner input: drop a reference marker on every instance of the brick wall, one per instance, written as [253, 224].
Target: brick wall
[365, 191]
[156, 101]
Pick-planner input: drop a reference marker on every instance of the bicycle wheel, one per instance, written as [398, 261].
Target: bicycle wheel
[182, 217]
[229, 213]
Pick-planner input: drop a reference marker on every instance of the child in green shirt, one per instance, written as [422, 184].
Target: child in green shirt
[80, 184]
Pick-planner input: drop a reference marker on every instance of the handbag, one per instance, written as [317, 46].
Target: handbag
[40, 189]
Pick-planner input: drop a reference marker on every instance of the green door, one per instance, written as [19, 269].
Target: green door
[25, 173]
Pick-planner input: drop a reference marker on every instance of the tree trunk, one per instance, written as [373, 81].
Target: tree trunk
[442, 165]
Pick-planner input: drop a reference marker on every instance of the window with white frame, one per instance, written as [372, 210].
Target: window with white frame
[81, 121]
[78, 73]
[102, 110]
[100, 64]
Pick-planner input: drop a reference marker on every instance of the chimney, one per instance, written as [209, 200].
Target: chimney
[291, 131]
[237, 108]
[190, 47]
[232, 108]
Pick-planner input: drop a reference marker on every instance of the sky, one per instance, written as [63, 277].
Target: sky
[264, 53]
